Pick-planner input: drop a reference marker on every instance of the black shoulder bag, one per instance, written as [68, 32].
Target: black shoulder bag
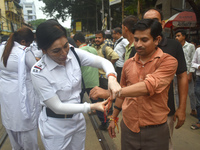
[83, 84]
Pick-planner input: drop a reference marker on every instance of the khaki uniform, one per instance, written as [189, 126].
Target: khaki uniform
[110, 55]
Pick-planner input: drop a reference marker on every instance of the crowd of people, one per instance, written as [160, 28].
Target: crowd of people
[44, 74]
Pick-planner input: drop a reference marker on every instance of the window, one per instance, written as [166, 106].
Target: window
[30, 17]
[29, 11]
[28, 6]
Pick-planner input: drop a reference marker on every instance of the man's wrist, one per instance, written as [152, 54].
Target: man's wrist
[182, 108]
[107, 94]
[117, 108]
[115, 119]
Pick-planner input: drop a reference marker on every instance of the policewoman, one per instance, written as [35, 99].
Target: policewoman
[57, 79]
[19, 102]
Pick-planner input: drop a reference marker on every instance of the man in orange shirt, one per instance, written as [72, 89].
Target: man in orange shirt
[145, 82]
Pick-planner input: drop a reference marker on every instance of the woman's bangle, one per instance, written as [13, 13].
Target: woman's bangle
[112, 74]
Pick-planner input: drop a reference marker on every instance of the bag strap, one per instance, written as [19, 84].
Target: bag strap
[104, 50]
[79, 62]
[119, 41]
[133, 52]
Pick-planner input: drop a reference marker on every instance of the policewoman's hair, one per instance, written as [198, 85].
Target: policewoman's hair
[152, 24]
[48, 32]
[22, 34]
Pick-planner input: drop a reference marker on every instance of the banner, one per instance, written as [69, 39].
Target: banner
[184, 24]
[78, 26]
[112, 2]
[104, 24]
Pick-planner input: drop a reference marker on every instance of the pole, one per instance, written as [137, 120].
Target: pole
[102, 10]
[110, 21]
[122, 10]
[170, 7]
[138, 10]
[183, 4]
[96, 19]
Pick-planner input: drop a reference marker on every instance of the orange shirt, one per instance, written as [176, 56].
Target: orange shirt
[157, 74]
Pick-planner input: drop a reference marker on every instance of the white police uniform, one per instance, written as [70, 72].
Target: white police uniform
[50, 78]
[19, 105]
[34, 48]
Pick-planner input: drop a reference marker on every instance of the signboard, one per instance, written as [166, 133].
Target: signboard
[78, 26]
[112, 2]
[184, 24]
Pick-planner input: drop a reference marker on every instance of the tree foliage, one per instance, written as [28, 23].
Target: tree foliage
[61, 9]
[89, 11]
[35, 23]
[132, 6]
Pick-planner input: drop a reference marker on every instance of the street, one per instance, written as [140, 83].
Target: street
[183, 138]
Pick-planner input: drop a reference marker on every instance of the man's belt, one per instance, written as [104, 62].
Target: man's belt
[152, 126]
[50, 113]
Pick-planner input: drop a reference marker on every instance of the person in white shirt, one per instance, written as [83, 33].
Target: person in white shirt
[34, 48]
[19, 103]
[37, 52]
[189, 51]
[57, 79]
[120, 49]
[196, 65]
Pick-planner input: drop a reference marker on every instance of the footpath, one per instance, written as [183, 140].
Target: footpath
[183, 138]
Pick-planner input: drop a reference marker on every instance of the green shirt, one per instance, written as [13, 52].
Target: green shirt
[128, 51]
[90, 74]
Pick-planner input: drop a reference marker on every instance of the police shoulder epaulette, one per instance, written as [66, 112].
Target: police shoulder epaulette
[38, 67]
[22, 47]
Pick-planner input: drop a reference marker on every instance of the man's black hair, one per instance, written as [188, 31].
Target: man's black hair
[182, 31]
[101, 32]
[152, 24]
[118, 30]
[79, 36]
[130, 21]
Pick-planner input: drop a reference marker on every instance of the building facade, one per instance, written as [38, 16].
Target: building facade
[11, 17]
[29, 10]
[171, 7]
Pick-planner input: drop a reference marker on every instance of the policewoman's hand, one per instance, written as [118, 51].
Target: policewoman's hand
[99, 106]
[113, 87]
